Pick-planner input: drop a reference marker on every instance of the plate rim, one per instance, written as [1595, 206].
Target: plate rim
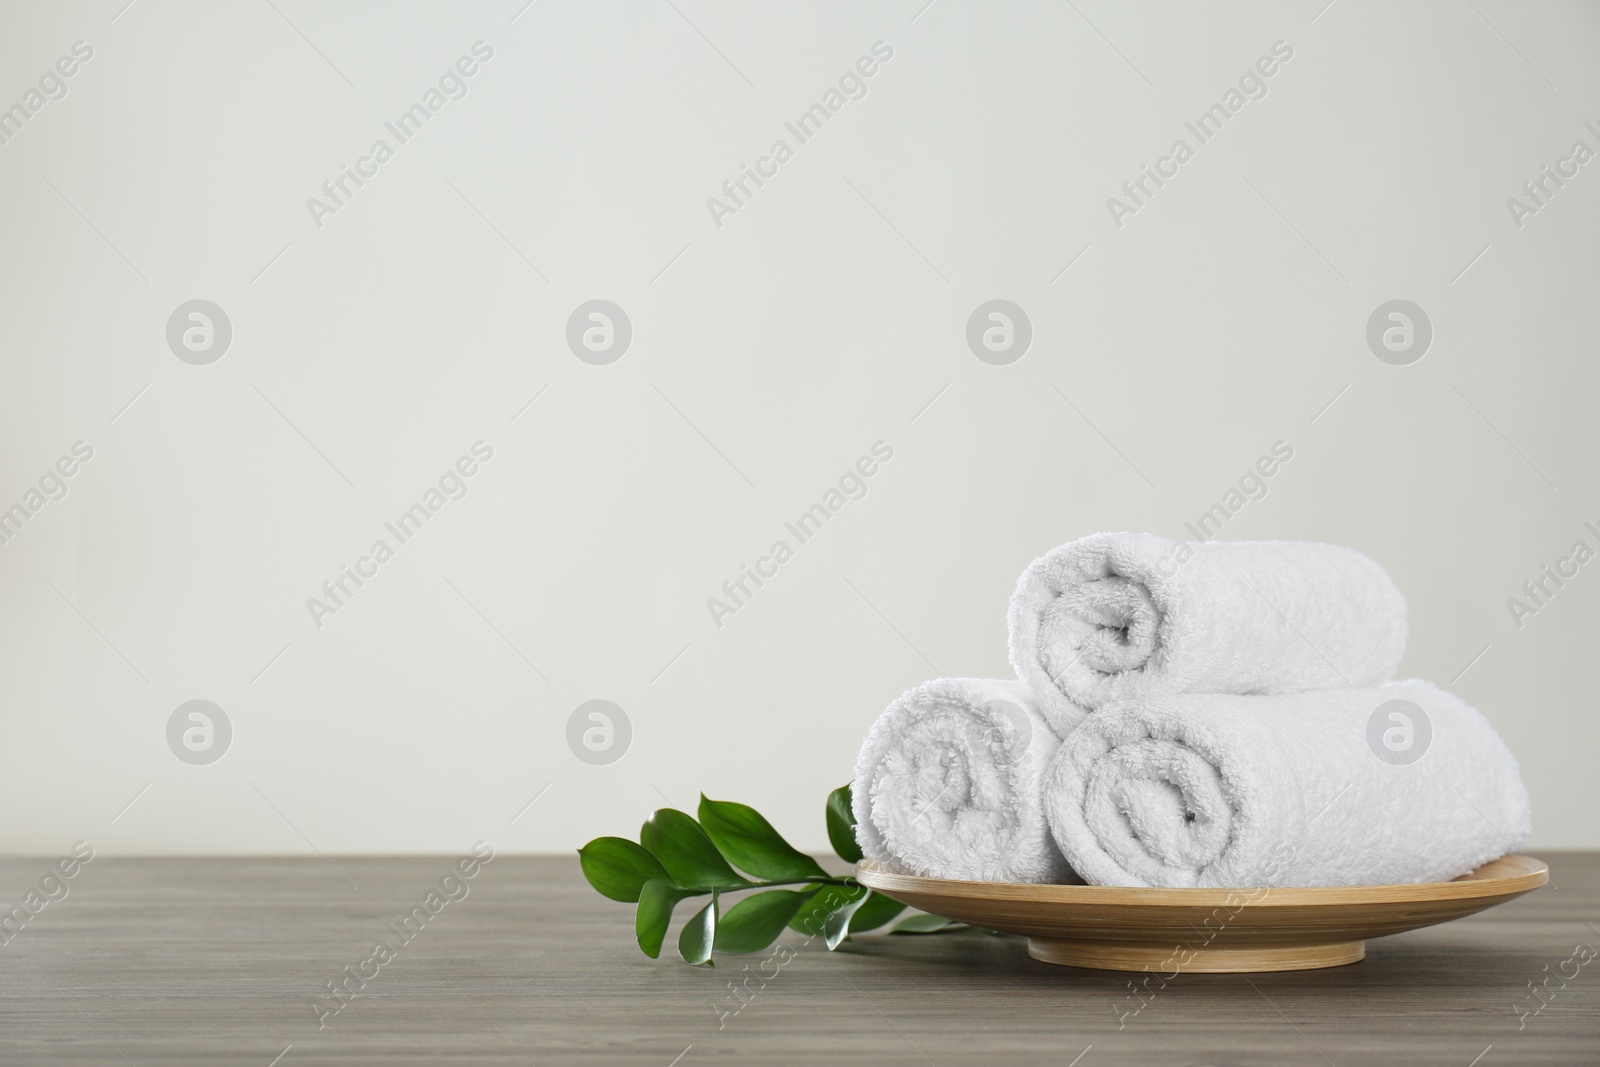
[1512, 874]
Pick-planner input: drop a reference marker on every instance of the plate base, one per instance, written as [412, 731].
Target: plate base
[1164, 958]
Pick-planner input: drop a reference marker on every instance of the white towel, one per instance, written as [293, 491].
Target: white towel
[949, 785]
[1118, 616]
[1300, 789]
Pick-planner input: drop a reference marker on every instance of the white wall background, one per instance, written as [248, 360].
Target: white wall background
[767, 355]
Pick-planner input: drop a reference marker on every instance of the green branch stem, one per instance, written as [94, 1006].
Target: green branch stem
[731, 848]
[845, 882]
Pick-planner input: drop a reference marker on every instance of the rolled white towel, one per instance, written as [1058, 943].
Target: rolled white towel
[948, 785]
[1119, 616]
[1299, 789]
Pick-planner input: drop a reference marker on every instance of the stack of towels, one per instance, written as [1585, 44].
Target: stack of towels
[1192, 714]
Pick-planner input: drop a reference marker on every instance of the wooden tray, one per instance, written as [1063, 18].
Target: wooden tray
[1208, 930]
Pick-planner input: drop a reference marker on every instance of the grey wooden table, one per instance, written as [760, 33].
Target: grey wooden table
[184, 961]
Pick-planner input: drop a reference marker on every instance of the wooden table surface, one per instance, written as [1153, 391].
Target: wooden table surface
[217, 961]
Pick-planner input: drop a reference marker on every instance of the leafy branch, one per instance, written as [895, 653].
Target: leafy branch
[678, 857]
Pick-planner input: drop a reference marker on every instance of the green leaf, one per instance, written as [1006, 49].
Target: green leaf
[748, 840]
[925, 924]
[876, 910]
[842, 825]
[813, 915]
[757, 920]
[656, 901]
[698, 935]
[686, 852]
[618, 868]
[837, 928]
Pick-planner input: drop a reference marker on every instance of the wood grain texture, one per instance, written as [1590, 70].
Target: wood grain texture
[155, 962]
[1196, 931]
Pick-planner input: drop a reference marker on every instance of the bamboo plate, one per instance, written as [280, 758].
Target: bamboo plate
[1208, 930]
